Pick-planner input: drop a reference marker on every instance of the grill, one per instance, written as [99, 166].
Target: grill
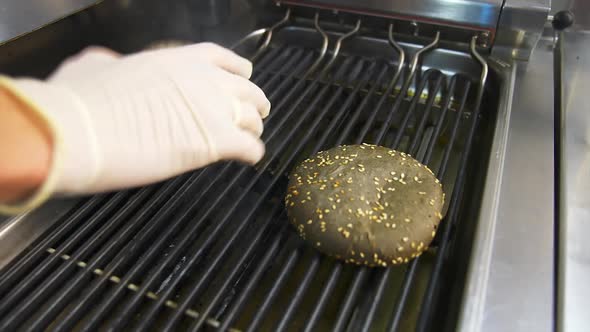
[213, 249]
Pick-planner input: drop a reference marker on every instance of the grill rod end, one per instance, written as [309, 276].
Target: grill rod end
[266, 33]
[325, 41]
[402, 57]
[420, 52]
[484, 70]
[336, 51]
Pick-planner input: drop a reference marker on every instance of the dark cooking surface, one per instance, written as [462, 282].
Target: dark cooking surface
[216, 241]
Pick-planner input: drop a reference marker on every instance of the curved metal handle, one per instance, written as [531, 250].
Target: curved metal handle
[414, 63]
[324, 45]
[416, 58]
[402, 57]
[268, 35]
[484, 71]
[338, 45]
[265, 32]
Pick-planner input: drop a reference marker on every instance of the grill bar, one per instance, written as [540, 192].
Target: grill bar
[230, 277]
[208, 273]
[59, 276]
[130, 251]
[350, 299]
[429, 103]
[298, 297]
[269, 63]
[296, 56]
[377, 295]
[255, 278]
[443, 114]
[16, 272]
[9, 302]
[323, 299]
[110, 250]
[274, 291]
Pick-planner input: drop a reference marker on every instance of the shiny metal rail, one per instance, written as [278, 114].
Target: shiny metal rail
[507, 291]
[575, 249]
[268, 34]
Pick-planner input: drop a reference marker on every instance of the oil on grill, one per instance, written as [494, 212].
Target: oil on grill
[213, 250]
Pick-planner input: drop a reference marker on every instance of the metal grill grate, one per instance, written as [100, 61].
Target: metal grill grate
[213, 248]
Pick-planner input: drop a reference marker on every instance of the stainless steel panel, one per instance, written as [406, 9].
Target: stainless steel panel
[17, 233]
[510, 281]
[472, 13]
[580, 8]
[519, 28]
[575, 216]
[18, 17]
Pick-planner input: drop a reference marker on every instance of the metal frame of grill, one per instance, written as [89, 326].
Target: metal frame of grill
[83, 272]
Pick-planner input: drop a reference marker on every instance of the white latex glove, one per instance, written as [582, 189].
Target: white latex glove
[127, 121]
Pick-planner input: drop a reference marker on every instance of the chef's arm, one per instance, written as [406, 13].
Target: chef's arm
[25, 149]
[104, 122]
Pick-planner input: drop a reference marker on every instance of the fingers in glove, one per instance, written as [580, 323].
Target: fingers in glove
[244, 147]
[222, 57]
[250, 93]
[247, 117]
[93, 54]
[84, 63]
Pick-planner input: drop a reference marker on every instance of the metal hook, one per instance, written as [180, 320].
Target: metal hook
[324, 45]
[484, 70]
[336, 51]
[266, 33]
[402, 56]
[414, 63]
[424, 49]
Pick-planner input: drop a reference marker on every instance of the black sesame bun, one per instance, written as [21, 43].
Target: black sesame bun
[365, 204]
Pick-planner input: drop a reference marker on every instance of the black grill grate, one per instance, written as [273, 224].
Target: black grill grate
[213, 248]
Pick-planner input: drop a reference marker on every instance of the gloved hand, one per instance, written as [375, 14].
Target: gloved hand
[124, 121]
